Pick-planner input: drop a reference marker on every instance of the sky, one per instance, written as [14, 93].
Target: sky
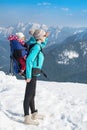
[50, 12]
[64, 105]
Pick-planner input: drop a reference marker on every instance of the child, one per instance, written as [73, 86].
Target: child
[18, 44]
[21, 39]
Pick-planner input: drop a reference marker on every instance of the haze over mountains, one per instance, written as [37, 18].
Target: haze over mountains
[66, 51]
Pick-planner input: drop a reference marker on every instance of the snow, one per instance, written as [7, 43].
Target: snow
[83, 46]
[63, 104]
[67, 55]
[78, 31]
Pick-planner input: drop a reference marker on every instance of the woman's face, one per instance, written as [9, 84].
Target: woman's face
[43, 38]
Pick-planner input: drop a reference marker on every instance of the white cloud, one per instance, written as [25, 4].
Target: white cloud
[55, 7]
[84, 11]
[44, 4]
[65, 9]
[69, 14]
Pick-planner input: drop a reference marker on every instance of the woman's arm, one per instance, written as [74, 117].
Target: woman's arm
[30, 59]
[43, 44]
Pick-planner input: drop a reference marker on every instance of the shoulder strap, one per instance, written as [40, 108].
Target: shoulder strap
[38, 55]
[32, 45]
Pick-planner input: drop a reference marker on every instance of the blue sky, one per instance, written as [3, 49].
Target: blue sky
[49, 12]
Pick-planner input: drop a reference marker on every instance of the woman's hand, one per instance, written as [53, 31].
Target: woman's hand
[28, 80]
[47, 34]
[44, 37]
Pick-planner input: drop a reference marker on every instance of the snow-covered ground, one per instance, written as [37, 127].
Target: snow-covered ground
[63, 104]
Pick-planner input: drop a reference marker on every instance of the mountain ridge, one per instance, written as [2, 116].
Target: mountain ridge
[64, 61]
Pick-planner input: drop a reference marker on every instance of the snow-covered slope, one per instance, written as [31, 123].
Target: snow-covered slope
[63, 104]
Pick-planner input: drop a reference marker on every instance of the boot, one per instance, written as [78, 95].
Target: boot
[35, 116]
[28, 120]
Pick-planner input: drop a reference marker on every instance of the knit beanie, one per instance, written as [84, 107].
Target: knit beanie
[20, 35]
[31, 32]
[38, 34]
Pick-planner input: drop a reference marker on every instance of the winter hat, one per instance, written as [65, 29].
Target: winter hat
[20, 35]
[38, 34]
[31, 32]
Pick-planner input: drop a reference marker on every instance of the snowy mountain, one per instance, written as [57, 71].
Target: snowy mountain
[68, 61]
[64, 62]
[65, 109]
[4, 55]
[57, 35]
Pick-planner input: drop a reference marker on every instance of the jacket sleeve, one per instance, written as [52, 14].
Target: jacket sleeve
[43, 44]
[30, 59]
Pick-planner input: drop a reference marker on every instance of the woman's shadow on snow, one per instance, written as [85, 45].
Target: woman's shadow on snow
[14, 116]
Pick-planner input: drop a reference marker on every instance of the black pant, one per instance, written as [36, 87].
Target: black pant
[29, 99]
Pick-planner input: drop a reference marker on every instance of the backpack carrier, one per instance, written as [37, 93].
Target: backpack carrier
[17, 50]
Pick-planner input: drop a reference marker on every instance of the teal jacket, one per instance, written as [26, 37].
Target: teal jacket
[31, 61]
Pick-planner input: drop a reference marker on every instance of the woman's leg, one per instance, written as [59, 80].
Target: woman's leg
[29, 96]
[32, 103]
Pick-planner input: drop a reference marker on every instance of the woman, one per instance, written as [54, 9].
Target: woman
[34, 63]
